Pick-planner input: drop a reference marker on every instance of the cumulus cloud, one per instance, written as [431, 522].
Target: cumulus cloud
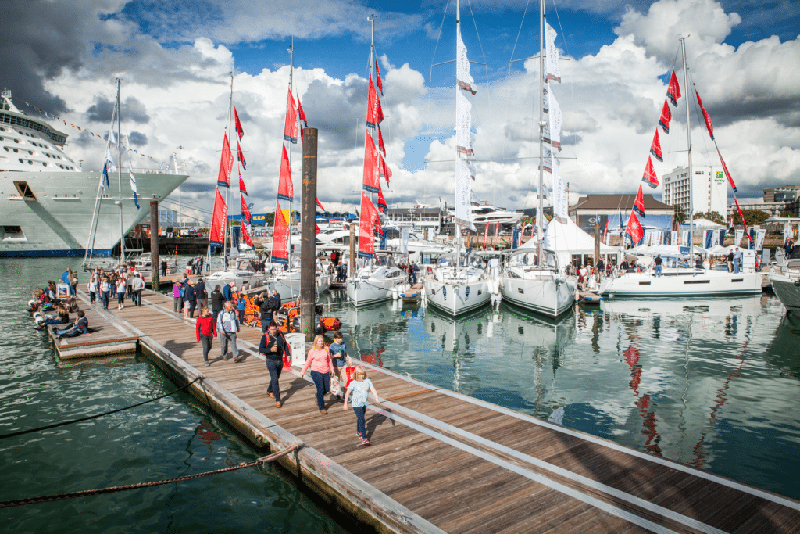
[132, 110]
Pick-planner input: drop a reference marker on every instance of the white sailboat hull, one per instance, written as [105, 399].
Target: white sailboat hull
[457, 298]
[366, 291]
[546, 294]
[787, 290]
[676, 284]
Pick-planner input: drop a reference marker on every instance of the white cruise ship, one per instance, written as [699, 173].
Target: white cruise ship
[47, 201]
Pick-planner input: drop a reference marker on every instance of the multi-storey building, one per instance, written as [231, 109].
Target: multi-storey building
[709, 190]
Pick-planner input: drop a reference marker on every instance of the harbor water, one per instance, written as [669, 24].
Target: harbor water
[169, 438]
[712, 383]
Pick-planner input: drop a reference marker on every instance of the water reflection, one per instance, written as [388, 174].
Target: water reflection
[712, 382]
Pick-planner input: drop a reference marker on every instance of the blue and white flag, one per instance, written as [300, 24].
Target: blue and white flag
[105, 182]
[709, 240]
[133, 188]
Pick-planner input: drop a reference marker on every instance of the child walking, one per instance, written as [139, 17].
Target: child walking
[359, 388]
[340, 360]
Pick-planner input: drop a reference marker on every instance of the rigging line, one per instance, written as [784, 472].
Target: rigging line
[435, 48]
[511, 59]
[116, 489]
[64, 423]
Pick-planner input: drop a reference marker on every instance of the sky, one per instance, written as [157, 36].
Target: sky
[175, 60]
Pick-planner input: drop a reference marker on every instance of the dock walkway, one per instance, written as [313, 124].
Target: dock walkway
[445, 462]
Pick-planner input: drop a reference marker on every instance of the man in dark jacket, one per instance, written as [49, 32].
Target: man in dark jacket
[272, 347]
[226, 291]
[200, 292]
[265, 310]
[217, 302]
[190, 298]
[276, 301]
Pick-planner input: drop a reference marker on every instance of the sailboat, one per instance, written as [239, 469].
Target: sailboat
[532, 278]
[454, 287]
[692, 281]
[379, 275]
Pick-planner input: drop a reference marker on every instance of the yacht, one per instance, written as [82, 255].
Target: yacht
[456, 289]
[785, 280]
[375, 281]
[242, 272]
[540, 288]
[47, 201]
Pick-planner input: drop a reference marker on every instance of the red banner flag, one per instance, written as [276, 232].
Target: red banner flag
[372, 180]
[290, 129]
[709, 126]
[383, 169]
[638, 204]
[374, 110]
[238, 123]
[485, 234]
[369, 217]
[246, 211]
[285, 187]
[219, 218]
[242, 188]
[225, 163]
[741, 216]
[240, 155]
[634, 228]
[380, 141]
[378, 77]
[605, 229]
[666, 117]
[650, 174]
[655, 147]
[381, 202]
[280, 237]
[727, 173]
[674, 89]
[246, 235]
[301, 113]
[320, 205]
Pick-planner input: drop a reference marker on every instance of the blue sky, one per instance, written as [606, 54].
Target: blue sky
[174, 58]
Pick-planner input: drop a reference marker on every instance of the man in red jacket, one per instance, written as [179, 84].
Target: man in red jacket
[206, 330]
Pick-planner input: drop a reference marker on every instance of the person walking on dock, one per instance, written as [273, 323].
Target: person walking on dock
[91, 287]
[272, 347]
[163, 267]
[226, 291]
[319, 359]
[227, 328]
[217, 302]
[105, 291]
[176, 296]
[276, 303]
[340, 359]
[205, 330]
[189, 300]
[241, 306]
[121, 287]
[359, 388]
[200, 293]
[137, 286]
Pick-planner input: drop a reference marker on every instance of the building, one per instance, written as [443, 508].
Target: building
[784, 193]
[709, 190]
[612, 208]
[774, 209]
[419, 217]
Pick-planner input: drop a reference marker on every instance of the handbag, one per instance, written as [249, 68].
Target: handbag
[335, 386]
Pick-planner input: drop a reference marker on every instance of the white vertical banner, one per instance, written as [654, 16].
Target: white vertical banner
[760, 238]
[738, 240]
[673, 237]
[551, 54]
[405, 233]
[685, 238]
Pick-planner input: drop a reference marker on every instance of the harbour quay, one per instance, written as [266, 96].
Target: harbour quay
[441, 461]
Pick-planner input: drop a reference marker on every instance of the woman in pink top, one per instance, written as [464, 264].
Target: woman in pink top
[319, 359]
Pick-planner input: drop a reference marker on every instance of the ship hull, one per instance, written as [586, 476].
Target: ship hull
[56, 217]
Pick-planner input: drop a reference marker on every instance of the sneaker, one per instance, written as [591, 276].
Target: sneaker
[365, 441]
[359, 435]
[323, 411]
[208, 363]
[237, 359]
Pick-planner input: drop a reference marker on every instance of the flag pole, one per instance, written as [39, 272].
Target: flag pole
[119, 176]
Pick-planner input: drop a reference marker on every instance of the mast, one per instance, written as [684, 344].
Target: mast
[228, 190]
[119, 176]
[291, 79]
[540, 210]
[457, 227]
[688, 145]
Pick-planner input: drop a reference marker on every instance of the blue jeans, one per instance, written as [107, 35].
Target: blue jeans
[361, 425]
[323, 383]
[106, 298]
[736, 263]
[274, 367]
[228, 338]
[658, 270]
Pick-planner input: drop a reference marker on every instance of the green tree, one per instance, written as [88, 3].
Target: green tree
[679, 215]
[751, 217]
[788, 213]
[712, 216]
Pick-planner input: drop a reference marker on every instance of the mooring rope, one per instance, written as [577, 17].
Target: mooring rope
[64, 423]
[116, 489]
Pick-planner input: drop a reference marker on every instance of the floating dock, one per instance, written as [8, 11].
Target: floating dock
[441, 461]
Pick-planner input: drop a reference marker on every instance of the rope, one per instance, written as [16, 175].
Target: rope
[64, 423]
[116, 489]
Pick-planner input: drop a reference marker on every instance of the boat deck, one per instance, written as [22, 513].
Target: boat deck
[445, 462]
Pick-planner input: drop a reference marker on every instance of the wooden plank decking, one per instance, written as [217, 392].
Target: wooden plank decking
[442, 461]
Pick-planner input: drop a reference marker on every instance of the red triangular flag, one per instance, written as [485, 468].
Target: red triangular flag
[320, 205]
[384, 169]
[216, 235]
[371, 180]
[239, 130]
[381, 202]
[378, 77]
[650, 174]
[246, 211]
[634, 228]
[666, 116]
[709, 126]
[374, 110]
[301, 113]
[380, 141]
[242, 188]
[674, 89]
[290, 130]
[285, 187]
[246, 235]
[638, 204]
[225, 163]
[655, 147]
[240, 155]
[280, 237]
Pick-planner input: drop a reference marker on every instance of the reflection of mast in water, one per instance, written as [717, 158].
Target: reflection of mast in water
[632, 355]
[722, 398]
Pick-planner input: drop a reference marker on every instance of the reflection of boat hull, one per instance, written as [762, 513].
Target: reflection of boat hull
[703, 283]
[547, 295]
[456, 299]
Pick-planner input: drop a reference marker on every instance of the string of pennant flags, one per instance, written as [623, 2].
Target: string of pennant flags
[79, 128]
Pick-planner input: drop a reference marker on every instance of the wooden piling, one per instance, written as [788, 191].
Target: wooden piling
[308, 266]
[156, 267]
